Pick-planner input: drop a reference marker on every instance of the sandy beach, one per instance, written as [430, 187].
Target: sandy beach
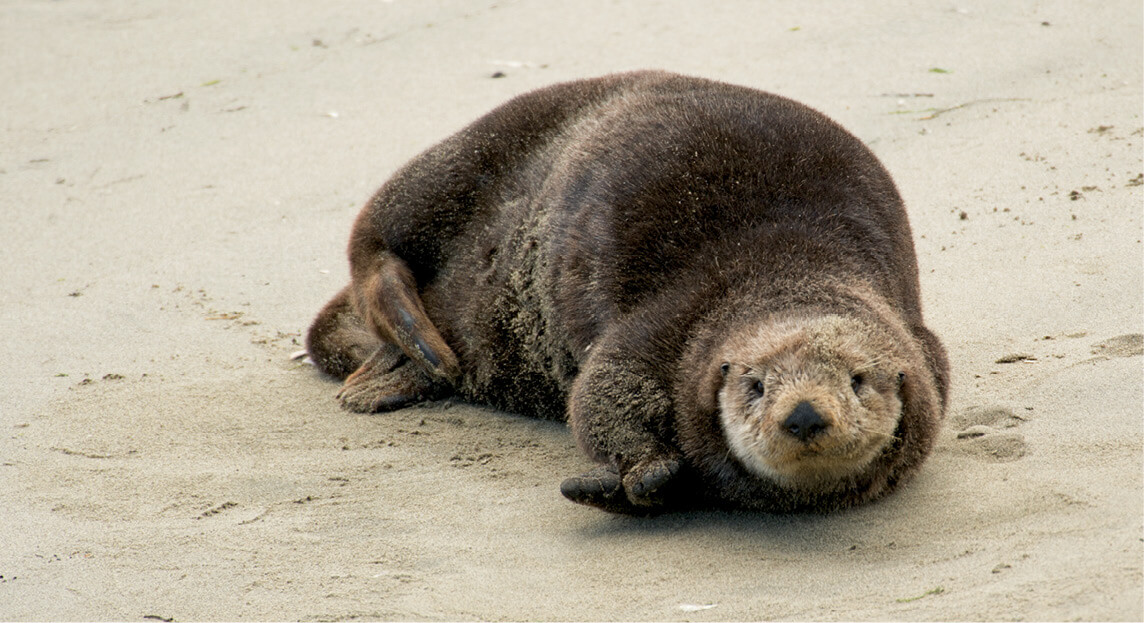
[177, 186]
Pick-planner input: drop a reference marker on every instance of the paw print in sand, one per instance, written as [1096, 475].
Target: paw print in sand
[987, 433]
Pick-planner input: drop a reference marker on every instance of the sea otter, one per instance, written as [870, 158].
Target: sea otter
[715, 286]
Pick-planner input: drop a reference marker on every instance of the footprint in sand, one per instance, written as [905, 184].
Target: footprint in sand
[1128, 345]
[986, 433]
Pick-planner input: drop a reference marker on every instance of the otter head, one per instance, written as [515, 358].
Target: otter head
[809, 404]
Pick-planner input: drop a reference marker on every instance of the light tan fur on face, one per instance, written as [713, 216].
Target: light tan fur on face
[812, 360]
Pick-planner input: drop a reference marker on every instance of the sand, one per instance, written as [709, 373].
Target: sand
[177, 184]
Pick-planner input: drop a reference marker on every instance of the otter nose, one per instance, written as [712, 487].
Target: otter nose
[804, 422]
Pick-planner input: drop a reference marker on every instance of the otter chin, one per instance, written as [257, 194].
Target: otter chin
[807, 403]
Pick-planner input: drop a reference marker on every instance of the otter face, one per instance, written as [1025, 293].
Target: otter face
[807, 403]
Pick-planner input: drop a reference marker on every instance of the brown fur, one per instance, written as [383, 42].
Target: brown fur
[599, 249]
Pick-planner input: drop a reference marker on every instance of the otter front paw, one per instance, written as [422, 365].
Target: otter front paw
[601, 488]
[648, 483]
[645, 489]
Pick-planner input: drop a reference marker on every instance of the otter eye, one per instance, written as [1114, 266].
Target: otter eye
[758, 388]
[856, 382]
[724, 368]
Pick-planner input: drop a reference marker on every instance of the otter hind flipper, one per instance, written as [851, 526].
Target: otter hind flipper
[394, 308]
[389, 380]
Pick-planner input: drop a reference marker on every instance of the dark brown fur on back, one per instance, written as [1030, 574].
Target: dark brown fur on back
[582, 250]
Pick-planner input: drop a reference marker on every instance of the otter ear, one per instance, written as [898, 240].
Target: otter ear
[921, 420]
[708, 389]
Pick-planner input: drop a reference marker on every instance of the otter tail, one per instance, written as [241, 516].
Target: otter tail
[338, 340]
